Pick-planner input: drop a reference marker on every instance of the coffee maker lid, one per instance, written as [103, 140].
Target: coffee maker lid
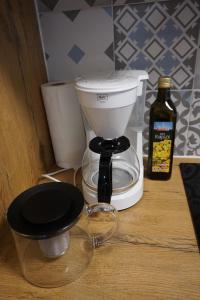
[111, 82]
[45, 210]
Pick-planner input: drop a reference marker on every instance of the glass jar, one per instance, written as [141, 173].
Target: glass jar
[53, 250]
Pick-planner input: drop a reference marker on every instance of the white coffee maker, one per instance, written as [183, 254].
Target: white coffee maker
[113, 106]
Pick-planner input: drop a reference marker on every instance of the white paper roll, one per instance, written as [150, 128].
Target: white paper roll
[65, 123]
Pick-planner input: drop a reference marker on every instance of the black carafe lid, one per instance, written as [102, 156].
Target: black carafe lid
[45, 210]
[118, 145]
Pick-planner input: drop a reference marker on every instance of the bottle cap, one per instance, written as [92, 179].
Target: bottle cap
[164, 82]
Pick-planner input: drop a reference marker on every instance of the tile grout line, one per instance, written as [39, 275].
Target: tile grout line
[113, 33]
[196, 62]
[188, 125]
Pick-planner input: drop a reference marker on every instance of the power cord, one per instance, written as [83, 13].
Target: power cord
[50, 177]
[74, 177]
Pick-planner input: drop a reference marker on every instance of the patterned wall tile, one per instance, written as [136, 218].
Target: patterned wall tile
[159, 37]
[65, 5]
[121, 2]
[182, 101]
[77, 42]
[193, 138]
[197, 69]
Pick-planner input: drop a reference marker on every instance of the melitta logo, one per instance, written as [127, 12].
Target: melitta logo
[102, 97]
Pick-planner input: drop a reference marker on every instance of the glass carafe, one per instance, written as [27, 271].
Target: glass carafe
[118, 170]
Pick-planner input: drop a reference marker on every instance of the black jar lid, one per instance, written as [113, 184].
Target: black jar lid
[45, 210]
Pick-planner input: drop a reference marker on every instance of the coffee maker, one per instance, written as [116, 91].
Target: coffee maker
[113, 108]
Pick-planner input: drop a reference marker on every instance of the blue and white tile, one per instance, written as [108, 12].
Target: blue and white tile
[197, 68]
[160, 37]
[67, 5]
[122, 2]
[182, 101]
[42, 6]
[193, 138]
[78, 42]
[45, 5]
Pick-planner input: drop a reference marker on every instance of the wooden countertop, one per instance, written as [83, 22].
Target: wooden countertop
[153, 256]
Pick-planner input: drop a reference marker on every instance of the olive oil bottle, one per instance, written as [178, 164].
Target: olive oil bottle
[162, 126]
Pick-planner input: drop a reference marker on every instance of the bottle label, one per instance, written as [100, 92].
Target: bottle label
[162, 146]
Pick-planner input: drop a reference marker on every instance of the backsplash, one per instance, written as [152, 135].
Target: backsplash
[159, 37]
[162, 37]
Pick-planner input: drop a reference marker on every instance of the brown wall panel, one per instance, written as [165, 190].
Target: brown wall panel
[25, 147]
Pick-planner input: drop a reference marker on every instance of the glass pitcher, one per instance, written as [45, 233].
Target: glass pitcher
[53, 250]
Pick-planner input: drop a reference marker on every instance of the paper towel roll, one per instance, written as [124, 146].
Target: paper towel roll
[65, 123]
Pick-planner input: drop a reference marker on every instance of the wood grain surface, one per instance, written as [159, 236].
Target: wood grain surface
[25, 147]
[153, 255]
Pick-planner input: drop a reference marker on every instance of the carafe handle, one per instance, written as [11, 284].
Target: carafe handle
[102, 222]
[105, 178]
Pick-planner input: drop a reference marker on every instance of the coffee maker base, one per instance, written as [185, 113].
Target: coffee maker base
[119, 201]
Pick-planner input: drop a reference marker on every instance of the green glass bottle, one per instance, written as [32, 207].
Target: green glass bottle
[162, 127]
